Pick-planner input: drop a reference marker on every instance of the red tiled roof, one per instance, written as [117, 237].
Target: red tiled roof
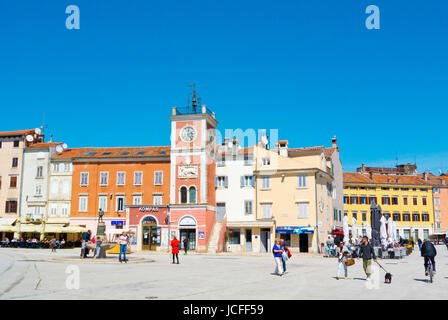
[435, 180]
[115, 152]
[356, 177]
[329, 152]
[44, 144]
[305, 149]
[247, 150]
[17, 133]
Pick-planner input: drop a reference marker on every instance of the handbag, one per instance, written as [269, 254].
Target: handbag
[350, 262]
[285, 256]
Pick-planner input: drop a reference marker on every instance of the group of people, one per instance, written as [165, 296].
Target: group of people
[281, 255]
[52, 243]
[175, 248]
[87, 238]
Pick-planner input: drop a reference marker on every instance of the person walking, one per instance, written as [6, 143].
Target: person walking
[85, 240]
[446, 242]
[419, 241]
[285, 252]
[175, 249]
[123, 241]
[366, 252]
[277, 251]
[428, 253]
[185, 243]
[98, 247]
[342, 252]
[53, 245]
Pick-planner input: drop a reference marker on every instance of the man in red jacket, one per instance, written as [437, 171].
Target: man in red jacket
[175, 248]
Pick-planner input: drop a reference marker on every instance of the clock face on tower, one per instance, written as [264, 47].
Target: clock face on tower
[188, 134]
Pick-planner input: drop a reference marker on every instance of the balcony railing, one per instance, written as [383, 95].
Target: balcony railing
[194, 110]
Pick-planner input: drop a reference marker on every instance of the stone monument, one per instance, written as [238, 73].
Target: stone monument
[375, 222]
[101, 233]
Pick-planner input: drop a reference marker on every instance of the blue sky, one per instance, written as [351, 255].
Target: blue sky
[310, 69]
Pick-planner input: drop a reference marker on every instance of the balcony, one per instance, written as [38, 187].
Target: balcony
[192, 110]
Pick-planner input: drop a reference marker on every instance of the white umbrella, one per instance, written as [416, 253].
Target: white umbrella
[354, 228]
[390, 230]
[345, 229]
[368, 230]
[383, 231]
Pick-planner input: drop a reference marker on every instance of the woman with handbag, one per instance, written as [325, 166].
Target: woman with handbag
[342, 253]
[285, 254]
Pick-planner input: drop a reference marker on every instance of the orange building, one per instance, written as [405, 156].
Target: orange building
[111, 179]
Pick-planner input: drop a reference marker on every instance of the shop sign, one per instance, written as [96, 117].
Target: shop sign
[117, 222]
[201, 235]
[148, 209]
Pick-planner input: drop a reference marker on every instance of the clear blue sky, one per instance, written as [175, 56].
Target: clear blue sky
[311, 69]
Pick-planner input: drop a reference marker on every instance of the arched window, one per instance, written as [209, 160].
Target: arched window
[183, 195]
[192, 195]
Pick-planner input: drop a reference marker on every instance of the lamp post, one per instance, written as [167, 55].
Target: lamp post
[169, 234]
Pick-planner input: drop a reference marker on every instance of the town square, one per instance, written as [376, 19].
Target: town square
[223, 150]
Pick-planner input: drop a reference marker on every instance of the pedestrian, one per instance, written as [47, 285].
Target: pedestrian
[86, 239]
[366, 252]
[175, 248]
[419, 241]
[185, 243]
[285, 254]
[446, 242]
[98, 247]
[277, 251]
[342, 253]
[123, 241]
[53, 245]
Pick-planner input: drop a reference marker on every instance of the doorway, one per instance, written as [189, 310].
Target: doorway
[191, 236]
[265, 239]
[248, 239]
[150, 236]
[303, 242]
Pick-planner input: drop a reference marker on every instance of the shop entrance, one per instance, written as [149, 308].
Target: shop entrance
[265, 239]
[303, 242]
[150, 234]
[248, 239]
[191, 236]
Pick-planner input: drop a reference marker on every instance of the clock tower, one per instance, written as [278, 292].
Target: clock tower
[192, 190]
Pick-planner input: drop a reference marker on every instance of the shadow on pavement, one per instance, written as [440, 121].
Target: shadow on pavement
[422, 280]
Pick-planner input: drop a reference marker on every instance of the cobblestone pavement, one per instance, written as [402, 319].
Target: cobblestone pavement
[34, 274]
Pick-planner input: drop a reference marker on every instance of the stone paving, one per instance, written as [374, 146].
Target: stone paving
[34, 274]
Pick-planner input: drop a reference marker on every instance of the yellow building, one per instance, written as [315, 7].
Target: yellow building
[294, 189]
[405, 198]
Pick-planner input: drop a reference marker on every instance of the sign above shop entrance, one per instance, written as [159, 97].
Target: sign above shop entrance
[148, 209]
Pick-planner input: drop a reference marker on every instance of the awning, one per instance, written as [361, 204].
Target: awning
[8, 228]
[7, 221]
[54, 228]
[250, 224]
[296, 230]
[33, 228]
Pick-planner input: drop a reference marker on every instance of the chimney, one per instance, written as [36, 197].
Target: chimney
[371, 175]
[283, 148]
[363, 167]
[234, 146]
[333, 142]
[425, 176]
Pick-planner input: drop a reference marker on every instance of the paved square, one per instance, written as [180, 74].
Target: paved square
[27, 274]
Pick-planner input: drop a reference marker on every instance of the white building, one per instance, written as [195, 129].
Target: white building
[235, 191]
[334, 162]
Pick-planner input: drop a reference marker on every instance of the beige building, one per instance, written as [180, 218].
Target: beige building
[294, 190]
[12, 145]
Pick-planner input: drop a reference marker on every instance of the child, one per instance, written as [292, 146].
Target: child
[98, 247]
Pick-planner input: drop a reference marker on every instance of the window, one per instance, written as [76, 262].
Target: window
[121, 201]
[53, 210]
[405, 200]
[414, 201]
[103, 203]
[67, 167]
[39, 172]
[158, 178]
[266, 161]
[437, 201]
[395, 200]
[137, 200]
[221, 181]
[425, 233]
[384, 188]
[353, 199]
[84, 178]
[13, 182]
[64, 210]
[396, 217]
[363, 199]
[247, 161]
[121, 178]
[192, 195]
[266, 210]
[425, 217]
[437, 214]
[364, 215]
[301, 181]
[38, 190]
[11, 206]
[82, 204]
[66, 187]
[406, 217]
[37, 212]
[183, 195]
[16, 143]
[385, 200]
[104, 178]
[15, 162]
[436, 190]
[303, 210]
[234, 236]
[157, 201]
[404, 189]
[248, 207]
[438, 225]
[415, 216]
[266, 182]
[355, 215]
[373, 199]
[424, 201]
[55, 167]
[247, 181]
[345, 199]
[138, 178]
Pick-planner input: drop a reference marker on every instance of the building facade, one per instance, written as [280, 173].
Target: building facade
[440, 197]
[294, 191]
[408, 199]
[334, 162]
[111, 179]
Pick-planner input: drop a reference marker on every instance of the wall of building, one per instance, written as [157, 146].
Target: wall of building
[59, 190]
